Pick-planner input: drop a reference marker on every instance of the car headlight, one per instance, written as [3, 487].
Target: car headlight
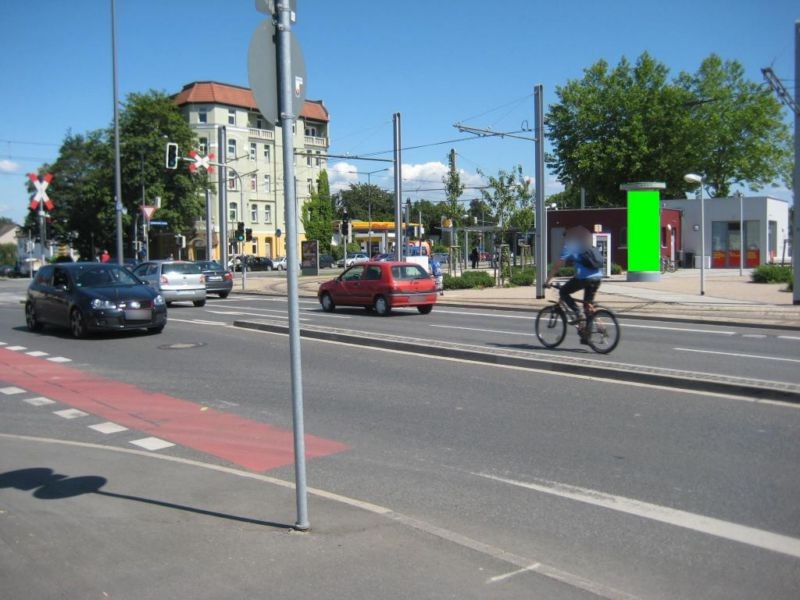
[97, 303]
[159, 300]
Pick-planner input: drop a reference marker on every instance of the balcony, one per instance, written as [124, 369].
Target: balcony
[311, 140]
[262, 134]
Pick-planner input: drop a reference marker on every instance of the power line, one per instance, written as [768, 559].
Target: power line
[27, 143]
[491, 110]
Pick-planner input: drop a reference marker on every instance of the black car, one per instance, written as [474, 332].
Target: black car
[259, 263]
[8, 271]
[326, 261]
[218, 280]
[89, 297]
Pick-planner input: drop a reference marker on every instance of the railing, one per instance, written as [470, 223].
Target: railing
[264, 134]
[316, 141]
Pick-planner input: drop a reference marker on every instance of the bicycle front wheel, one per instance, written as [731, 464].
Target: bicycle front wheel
[604, 333]
[551, 326]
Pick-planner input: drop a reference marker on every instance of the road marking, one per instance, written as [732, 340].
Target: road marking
[447, 535]
[37, 353]
[482, 330]
[16, 348]
[441, 311]
[152, 443]
[497, 578]
[10, 391]
[755, 336]
[3, 344]
[684, 329]
[789, 337]
[236, 313]
[70, 413]
[39, 401]
[108, 427]
[766, 540]
[59, 359]
[739, 355]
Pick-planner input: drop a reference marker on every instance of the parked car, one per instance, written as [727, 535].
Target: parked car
[381, 286]
[175, 280]
[218, 280]
[89, 297]
[383, 257]
[279, 263]
[353, 259]
[259, 263]
[326, 261]
[8, 271]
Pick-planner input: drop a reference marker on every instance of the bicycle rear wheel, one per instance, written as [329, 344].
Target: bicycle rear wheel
[551, 326]
[603, 334]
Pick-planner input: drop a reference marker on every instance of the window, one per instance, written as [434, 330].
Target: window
[267, 214]
[202, 115]
[259, 123]
[411, 271]
[294, 128]
[254, 247]
[663, 237]
[318, 157]
[353, 274]
[253, 183]
[310, 184]
[309, 159]
[266, 152]
[373, 273]
[231, 180]
[231, 149]
[311, 131]
[254, 213]
[233, 212]
[267, 184]
[203, 146]
[231, 116]
[252, 150]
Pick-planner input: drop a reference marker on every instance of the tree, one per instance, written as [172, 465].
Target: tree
[317, 214]
[631, 123]
[358, 198]
[453, 188]
[507, 194]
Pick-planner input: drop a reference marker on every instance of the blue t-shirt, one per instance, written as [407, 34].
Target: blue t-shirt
[571, 252]
[436, 268]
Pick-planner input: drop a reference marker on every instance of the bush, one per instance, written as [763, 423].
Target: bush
[616, 269]
[468, 280]
[772, 274]
[523, 277]
[566, 272]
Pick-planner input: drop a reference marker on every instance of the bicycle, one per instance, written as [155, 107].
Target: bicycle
[668, 265]
[600, 329]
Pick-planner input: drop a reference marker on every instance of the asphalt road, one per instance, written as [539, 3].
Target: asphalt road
[659, 493]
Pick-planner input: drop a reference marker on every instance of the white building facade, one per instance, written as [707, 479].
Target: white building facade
[255, 150]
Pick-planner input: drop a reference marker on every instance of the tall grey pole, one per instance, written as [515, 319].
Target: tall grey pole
[117, 168]
[398, 190]
[222, 192]
[702, 240]
[541, 214]
[208, 225]
[796, 219]
[741, 232]
[285, 91]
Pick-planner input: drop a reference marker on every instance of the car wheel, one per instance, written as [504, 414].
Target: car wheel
[77, 325]
[199, 303]
[382, 306]
[424, 310]
[223, 295]
[30, 318]
[155, 330]
[327, 303]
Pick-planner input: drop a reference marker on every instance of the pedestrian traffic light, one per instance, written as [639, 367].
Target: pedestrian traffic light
[172, 155]
[248, 234]
[240, 231]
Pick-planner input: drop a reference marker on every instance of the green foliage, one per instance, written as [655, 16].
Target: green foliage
[772, 274]
[468, 280]
[632, 123]
[317, 214]
[8, 254]
[507, 194]
[616, 269]
[523, 277]
[359, 196]
[566, 272]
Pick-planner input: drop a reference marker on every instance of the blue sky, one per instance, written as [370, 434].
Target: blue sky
[435, 61]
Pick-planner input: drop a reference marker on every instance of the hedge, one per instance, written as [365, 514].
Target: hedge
[468, 280]
[772, 274]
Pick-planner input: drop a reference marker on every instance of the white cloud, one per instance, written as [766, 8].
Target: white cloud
[8, 166]
[341, 175]
[427, 177]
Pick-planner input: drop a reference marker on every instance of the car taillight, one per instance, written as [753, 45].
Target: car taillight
[228, 276]
[164, 280]
[202, 278]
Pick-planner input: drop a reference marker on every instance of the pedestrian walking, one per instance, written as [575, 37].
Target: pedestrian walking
[474, 257]
[105, 257]
[438, 274]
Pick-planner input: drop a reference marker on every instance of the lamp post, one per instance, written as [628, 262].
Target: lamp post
[740, 196]
[698, 181]
[369, 175]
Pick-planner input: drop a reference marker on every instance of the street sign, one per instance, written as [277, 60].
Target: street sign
[158, 223]
[268, 7]
[262, 71]
[148, 211]
[40, 196]
[201, 162]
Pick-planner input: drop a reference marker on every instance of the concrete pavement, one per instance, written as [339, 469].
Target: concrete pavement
[729, 298]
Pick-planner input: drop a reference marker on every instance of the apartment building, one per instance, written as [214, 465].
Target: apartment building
[255, 150]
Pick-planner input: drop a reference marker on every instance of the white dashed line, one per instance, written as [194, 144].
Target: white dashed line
[59, 359]
[152, 443]
[794, 338]
[37, 353]
[10, 391]
[16, 348]
[70, 413]
[39, 401]
[738, 355]
[108, 427]
[755, 336]
[3, 344]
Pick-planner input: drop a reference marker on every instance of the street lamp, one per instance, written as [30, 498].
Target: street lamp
[369, 175]
[697, 180]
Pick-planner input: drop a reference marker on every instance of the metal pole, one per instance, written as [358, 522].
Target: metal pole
[369, 213]
[42, 232]
[796, 218]
[117, 168]
[222, 190]
[541, 215]
[285, 91]
[208, 225]
[741, 232]
[398, 190]
[702, 241]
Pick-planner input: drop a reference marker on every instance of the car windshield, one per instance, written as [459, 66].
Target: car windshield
[104, 276]
[409, 272]
[182, 268]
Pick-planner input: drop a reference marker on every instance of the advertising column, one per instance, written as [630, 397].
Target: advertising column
[644, 230]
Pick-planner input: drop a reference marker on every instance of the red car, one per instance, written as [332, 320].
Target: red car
[381, 286]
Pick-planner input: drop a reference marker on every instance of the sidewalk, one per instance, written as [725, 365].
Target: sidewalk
[88, 521]
[729, 298]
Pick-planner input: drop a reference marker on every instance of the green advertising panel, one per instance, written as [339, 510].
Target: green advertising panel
[644, 225]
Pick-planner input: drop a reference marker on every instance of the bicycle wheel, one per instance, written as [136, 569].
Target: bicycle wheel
[604, 333]
[551, 326]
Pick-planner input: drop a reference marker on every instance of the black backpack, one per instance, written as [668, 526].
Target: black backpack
[591, 258]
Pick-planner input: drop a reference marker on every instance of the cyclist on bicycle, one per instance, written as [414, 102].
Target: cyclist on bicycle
[579, 251]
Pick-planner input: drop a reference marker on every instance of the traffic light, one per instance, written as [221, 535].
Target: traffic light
[248, 235]
[239, 231]
[172, 155]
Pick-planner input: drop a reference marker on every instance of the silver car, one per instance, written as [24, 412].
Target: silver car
[176, 280]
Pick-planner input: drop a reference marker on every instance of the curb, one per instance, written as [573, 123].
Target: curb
[757, 389]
